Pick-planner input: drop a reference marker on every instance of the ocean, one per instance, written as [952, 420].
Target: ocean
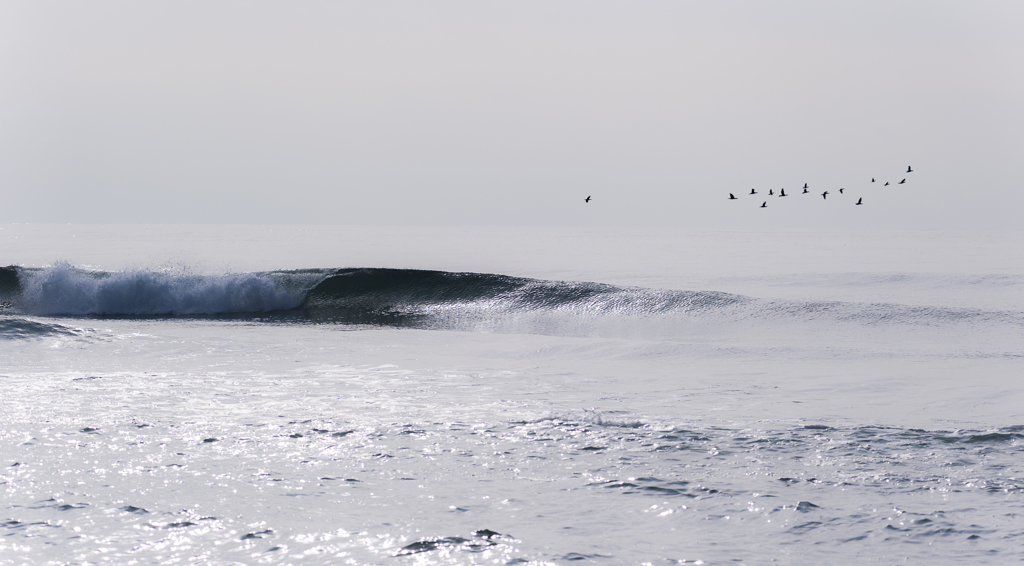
[509, 395]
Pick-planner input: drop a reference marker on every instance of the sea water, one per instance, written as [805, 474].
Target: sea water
[381, 395]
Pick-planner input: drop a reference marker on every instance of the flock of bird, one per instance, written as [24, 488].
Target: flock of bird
[824, 195]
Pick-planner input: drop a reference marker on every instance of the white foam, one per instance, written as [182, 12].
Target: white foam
[64, 289]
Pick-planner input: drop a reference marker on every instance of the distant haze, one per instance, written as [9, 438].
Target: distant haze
[512, 113]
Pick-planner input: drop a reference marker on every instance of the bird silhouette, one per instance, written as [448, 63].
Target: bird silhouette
[909, 170]
[872, 179]
[770, 193]
[886, 184]
[782, 192]
[901, 182]
[841, 191]
[764, 204]
[753, 192]
[805, 191]
[587, 199]
[824, 195]
[860, 200]
[732, 196]
[805, 185]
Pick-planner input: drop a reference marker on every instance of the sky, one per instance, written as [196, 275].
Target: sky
[510, 113]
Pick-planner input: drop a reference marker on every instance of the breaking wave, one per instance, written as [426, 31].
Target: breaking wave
[427, 299]
[67, 290]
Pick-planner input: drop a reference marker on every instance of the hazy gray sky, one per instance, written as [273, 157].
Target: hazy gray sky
[477, 112]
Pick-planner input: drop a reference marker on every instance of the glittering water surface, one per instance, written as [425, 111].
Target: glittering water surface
[257, 450]
[822, 425]
[555, 489]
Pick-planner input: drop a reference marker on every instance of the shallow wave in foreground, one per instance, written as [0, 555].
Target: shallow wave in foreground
[17, 327]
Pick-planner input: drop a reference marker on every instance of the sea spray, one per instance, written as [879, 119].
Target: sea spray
[67, 290]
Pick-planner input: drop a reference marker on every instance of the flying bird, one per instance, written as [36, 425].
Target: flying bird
[860, 200]
[824, 195]
[770, 193]
[886, 184]
[909, 170]
[901, 182]
[805, 185]
[587, 199]
[732, 196]
[805, 191]
[753, 192]
[764, 204]
[782, 192]
[841, 191]
[872, 179]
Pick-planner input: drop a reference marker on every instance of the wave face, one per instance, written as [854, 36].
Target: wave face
[406, 297]
[10, 285]
[438, 300]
